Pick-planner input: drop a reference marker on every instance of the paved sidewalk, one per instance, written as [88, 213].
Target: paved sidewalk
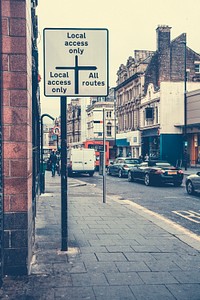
[191, 170]
[117, 250]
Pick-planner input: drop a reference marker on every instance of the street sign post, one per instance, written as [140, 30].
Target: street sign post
[75, 62]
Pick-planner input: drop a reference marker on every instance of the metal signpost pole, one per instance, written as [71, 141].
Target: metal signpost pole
[42, 176]
[185, 105]
[115, 122]
[104, 159]
[73, 71]
[64, 219]
[185, 142]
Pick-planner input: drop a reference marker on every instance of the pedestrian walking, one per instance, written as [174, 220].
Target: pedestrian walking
[53, 161]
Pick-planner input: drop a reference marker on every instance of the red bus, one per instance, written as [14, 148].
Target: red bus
[98, 146]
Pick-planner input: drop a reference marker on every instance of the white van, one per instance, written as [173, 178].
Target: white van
[81, 161]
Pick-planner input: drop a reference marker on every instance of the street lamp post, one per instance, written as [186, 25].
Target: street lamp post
[115, 124]
[42, 171]
[185, 146]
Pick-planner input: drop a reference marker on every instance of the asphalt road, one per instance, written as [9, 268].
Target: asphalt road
[171, 202]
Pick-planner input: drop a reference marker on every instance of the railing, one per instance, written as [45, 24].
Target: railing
[190, 163]
[194, 164]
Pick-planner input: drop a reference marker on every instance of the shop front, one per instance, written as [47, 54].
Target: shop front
[123, 148]
[194, 147]
[151, 143]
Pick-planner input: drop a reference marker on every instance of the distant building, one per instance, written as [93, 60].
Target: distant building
[150, 97]
[77, 121]
[95, 120]
[85, 120]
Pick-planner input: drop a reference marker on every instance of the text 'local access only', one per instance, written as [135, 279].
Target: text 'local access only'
[75, 62]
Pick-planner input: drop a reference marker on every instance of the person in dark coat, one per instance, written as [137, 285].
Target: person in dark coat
[53, 161]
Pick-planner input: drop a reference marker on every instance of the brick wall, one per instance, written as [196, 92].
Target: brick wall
[17, 139]
[168, 63]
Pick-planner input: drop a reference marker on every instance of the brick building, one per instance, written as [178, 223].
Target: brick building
[74, 121]
[20, 115]
[137, 89]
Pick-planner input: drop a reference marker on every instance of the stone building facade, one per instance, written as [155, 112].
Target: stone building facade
[84, 122]
[74, 122]
[20, 114]
[143, 73]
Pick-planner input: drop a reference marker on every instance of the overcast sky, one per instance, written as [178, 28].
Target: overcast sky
[131, 23]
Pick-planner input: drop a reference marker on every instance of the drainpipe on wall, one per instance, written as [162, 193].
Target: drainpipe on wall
[1, 162]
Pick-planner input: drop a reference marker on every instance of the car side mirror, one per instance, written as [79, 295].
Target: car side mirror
[198, 173]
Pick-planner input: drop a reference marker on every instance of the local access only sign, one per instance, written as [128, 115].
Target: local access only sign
[75, 62]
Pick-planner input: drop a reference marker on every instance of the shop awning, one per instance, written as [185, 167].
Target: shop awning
[122, 142]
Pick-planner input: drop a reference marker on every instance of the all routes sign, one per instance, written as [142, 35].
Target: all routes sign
[75, 62]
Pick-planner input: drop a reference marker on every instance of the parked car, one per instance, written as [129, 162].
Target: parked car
[193, 183]
[156, 172]
[121, 165]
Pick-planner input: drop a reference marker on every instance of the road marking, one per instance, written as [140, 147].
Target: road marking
[171, 197]
[191, 215]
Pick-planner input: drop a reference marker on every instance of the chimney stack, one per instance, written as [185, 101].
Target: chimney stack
[163, 37]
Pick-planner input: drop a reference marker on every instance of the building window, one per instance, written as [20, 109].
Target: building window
[149, 113]
[197, 68]
[149, 95]
[108, 114]
[156, 115]
[109, 129]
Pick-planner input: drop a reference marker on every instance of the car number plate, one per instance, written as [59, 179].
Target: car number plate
[172, 172]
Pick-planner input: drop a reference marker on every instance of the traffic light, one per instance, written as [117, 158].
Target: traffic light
[185, 155]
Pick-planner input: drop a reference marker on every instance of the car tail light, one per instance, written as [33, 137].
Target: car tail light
[125, 167]
[180, 171]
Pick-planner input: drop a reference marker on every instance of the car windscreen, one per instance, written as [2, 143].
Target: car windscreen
[163, 165]
[132, 161]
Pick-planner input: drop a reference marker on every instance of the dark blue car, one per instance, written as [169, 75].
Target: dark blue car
[156, 172]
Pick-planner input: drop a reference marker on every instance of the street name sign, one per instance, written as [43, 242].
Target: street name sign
[75, 62]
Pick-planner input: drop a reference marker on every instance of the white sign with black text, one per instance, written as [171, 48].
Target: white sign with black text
[75, 62]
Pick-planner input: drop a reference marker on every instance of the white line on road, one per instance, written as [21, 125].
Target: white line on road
[190, 215]
[173, 228]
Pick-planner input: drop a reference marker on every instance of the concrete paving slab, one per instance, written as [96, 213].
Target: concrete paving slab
[115, 251]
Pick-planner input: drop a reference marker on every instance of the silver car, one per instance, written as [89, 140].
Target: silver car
[193, 183]
[121, 165]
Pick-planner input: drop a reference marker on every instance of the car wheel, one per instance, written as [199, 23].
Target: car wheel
[120, 175]
[177, 183]
[147, 180]
[130, 178]
[190, 187]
